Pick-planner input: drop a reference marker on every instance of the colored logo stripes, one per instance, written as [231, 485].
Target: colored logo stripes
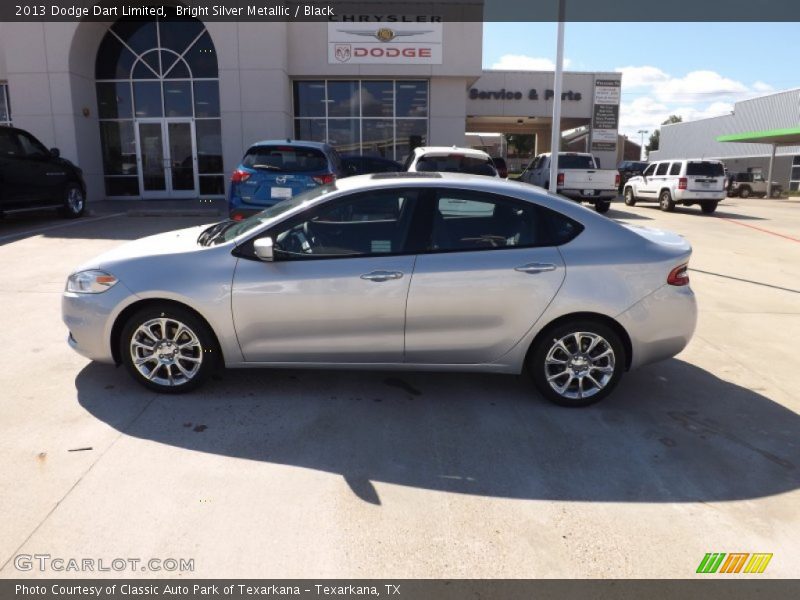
[735, 562]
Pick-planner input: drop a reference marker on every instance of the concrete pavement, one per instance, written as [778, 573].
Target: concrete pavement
[352, 474]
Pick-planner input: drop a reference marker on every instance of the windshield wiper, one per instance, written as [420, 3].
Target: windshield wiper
[210, 233]
[270, 167]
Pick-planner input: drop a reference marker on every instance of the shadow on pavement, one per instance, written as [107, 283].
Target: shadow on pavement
[670, 433]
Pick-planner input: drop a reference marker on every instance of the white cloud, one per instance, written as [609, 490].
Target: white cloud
[521, 62]
[650, 96]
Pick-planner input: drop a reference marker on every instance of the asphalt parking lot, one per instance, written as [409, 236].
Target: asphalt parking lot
[354, 474]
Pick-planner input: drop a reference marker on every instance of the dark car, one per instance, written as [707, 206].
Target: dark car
[628, 169]
[500, 165]
[34, 178]
[365, 165]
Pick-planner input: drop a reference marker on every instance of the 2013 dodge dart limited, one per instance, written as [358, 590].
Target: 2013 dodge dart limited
[417, 271]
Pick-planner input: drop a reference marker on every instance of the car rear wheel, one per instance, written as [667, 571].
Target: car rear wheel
[74, 201]
[630, 199]
[744, 192]
[577, 364]
[168, 349]
[665, 201]
[708, 207]
[602, 206]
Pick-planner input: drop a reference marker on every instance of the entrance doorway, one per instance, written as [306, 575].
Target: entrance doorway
[167, 158]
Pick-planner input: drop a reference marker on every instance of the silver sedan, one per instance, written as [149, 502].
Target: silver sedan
[393, 271]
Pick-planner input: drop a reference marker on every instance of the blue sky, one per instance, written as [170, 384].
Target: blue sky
[691, 69]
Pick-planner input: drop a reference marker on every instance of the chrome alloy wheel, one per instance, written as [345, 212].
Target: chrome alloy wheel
[75, 200]
[166, 351]
[579, 365]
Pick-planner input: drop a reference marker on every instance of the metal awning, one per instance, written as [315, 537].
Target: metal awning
[788, 136]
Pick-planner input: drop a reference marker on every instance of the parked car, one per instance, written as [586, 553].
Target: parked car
[685, 182]
[364, 165]
[500, 165]
[745, 185]
[628, 169]
[493, 276]
[579, 178]
[34, 178]
[275, 170]
[450, 160]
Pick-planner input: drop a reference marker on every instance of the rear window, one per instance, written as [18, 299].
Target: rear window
[575, 161]
[457, 163]
[708, 169]
[285, 159]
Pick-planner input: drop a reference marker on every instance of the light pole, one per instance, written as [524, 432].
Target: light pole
[555, 139]
[642, 132]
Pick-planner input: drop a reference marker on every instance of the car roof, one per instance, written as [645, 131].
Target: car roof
[450, 150]
[291, 142]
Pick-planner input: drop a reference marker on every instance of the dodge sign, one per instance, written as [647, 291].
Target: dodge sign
[384, 43]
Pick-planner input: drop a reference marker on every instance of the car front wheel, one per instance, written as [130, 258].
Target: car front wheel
[666, 202]
[74, 201]
[630, 199]
[577, 364]
[168, 349]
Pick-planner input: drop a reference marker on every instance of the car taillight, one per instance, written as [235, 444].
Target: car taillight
[325, 178]
[616, 180]
[679, 275]
[560, 179]
[682, 183]
[239, 175]
[237, 217]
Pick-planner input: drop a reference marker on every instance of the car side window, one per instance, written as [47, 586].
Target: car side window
[30, 147]
[662, 168]
[464, 220]
[649, 170]
[9, 147]
[366, 224]
[675, 168]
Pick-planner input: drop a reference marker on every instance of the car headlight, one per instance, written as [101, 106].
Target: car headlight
[90, 282]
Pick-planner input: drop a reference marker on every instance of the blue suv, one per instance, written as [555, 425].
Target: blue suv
[275, 170]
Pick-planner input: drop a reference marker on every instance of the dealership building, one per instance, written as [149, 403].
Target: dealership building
[165, 108]
[758, 132]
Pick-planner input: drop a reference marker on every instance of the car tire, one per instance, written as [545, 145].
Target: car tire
[665, 201]
[74, 201]
[630, 199]
[776, 193]
[744, 192]
[174, 363]
[586, 349]
[602, 206]
[708, 207]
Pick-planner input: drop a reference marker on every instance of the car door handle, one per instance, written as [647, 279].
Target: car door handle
[382, 275]
[533, 268]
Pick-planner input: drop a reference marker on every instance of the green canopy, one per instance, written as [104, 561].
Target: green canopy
[788, 136]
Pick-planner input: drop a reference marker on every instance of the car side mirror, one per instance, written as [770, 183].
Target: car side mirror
[55, 152]
[263, 247]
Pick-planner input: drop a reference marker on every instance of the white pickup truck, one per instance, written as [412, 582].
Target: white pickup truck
[579, 178]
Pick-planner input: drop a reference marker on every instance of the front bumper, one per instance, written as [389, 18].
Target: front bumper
[90, 318]
[660, 325]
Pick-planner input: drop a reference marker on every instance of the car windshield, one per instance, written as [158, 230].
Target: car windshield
[457, 163]
[575, 161]
[225, 231]
[285, 159]
[709, 169]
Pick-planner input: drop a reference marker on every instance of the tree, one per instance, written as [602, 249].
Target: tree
[655, 137]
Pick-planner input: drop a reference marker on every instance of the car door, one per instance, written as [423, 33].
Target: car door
[486, 276]
[647, 187]
[336, 290]
[12, 188]
[44, 176]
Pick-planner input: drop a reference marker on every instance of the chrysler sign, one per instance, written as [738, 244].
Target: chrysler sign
[403, 43]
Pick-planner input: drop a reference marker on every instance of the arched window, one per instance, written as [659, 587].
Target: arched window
[151, 71]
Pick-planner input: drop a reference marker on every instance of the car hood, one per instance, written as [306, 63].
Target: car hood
[181, 241]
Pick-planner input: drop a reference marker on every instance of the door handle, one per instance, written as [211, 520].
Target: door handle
[382, 275]
[533, 268]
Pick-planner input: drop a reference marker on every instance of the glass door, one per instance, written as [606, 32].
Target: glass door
[167, 158]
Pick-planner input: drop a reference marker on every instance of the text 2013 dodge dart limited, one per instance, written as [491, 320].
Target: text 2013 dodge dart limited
[409, 271]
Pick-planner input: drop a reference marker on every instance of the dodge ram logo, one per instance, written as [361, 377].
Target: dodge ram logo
[343, 52]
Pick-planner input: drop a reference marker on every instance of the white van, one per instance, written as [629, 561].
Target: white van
[685, 181]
